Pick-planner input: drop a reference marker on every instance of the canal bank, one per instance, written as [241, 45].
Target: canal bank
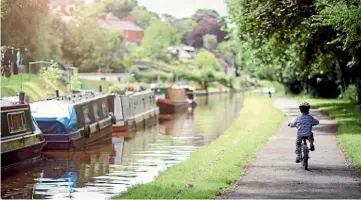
[111, 167]
[213, 170]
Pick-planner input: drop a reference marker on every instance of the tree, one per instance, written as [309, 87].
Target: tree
[88, 46]
[157, 38]
[206, 60]
[28, 23]
[120, 8]
[210, 42]
[307, 39]
[200, 13]
[184, 26]
[143, 17]
[205, 26]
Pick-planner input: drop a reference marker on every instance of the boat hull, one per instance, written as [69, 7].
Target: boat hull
[77, 141]
[146, 119]
[169, 107]
[22, 155]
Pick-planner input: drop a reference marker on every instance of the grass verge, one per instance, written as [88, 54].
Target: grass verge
[348, 118]
[33, 85]
[212, 170]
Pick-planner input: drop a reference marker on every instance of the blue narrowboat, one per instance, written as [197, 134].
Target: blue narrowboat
[73, 122]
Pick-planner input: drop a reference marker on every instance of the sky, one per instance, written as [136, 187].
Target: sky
[184, 8]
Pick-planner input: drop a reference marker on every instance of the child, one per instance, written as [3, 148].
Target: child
[304, 123]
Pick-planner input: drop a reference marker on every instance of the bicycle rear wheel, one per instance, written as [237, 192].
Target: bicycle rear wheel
[305, 157]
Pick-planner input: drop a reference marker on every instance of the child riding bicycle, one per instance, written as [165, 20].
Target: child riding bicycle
[304, 123]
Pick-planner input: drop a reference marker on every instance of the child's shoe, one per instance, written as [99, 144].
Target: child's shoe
[312, 148]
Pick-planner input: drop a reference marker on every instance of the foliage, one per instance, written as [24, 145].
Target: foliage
[28, 23]
[157, 38]
[350, 93]
[50, 74]
[75, 83]
[91, 51]
[200, 13]
[121, 8]
[144, 17]
[206, 25]
[184, 26]
[299, 40]
[206, 60]
[210, 42]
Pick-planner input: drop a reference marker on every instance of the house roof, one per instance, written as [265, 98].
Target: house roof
[118, 25]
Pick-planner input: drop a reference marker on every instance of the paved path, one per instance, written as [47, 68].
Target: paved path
[274, 173]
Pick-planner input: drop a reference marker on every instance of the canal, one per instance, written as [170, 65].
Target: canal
[116, 165]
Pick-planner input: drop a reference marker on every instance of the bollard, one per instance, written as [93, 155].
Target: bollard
[57, 93]
[21, 97]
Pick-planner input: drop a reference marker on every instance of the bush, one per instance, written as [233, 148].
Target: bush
[350, 93]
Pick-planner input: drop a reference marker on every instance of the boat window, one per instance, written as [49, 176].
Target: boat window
[96, 112]
[17, 122]
[86, 114]
[105, 109]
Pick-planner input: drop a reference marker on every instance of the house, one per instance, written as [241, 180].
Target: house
[182, 52]
[131, 32]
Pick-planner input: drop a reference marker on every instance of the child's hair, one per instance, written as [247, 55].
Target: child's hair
[304, 109]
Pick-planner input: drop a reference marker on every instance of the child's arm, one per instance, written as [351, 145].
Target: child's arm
[315, 121]
[294, 123]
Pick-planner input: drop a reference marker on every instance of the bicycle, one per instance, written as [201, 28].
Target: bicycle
[304, 155]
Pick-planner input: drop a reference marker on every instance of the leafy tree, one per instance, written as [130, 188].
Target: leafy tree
[144, 17]
[157, 38]
[120, 8]
[210, 42]
[206, 60]
[88, 46]
[27, 23]
[207, 25]
[200, 13]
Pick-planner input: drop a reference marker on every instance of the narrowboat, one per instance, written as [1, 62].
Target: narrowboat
[21, 139]
[73, 122]
[134, 111]
[171, 100]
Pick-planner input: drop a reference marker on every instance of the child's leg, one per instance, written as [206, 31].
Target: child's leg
[298, 145]
[311, 139]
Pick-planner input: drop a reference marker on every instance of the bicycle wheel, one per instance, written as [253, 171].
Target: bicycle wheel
[305, 157]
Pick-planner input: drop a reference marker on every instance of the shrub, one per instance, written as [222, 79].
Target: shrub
[350, 93]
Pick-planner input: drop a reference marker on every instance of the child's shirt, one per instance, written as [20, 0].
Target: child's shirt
[304, 124]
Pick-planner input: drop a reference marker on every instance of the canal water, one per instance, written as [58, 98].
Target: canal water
[116, 165]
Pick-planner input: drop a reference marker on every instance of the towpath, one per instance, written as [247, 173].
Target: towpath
[274, 173]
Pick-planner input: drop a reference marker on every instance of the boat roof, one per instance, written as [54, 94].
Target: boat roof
[74, 99]
[9, 101]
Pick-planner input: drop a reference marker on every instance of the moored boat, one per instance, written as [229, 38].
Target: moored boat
[21, 139]
[73, 122]
[171, 100]
[134, 112]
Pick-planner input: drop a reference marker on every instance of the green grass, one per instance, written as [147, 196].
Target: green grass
[214, 169]
[32, 85]
[348, 117]
[279, 88]
[94, 84]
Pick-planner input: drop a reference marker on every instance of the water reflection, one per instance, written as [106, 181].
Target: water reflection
[116, 165]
